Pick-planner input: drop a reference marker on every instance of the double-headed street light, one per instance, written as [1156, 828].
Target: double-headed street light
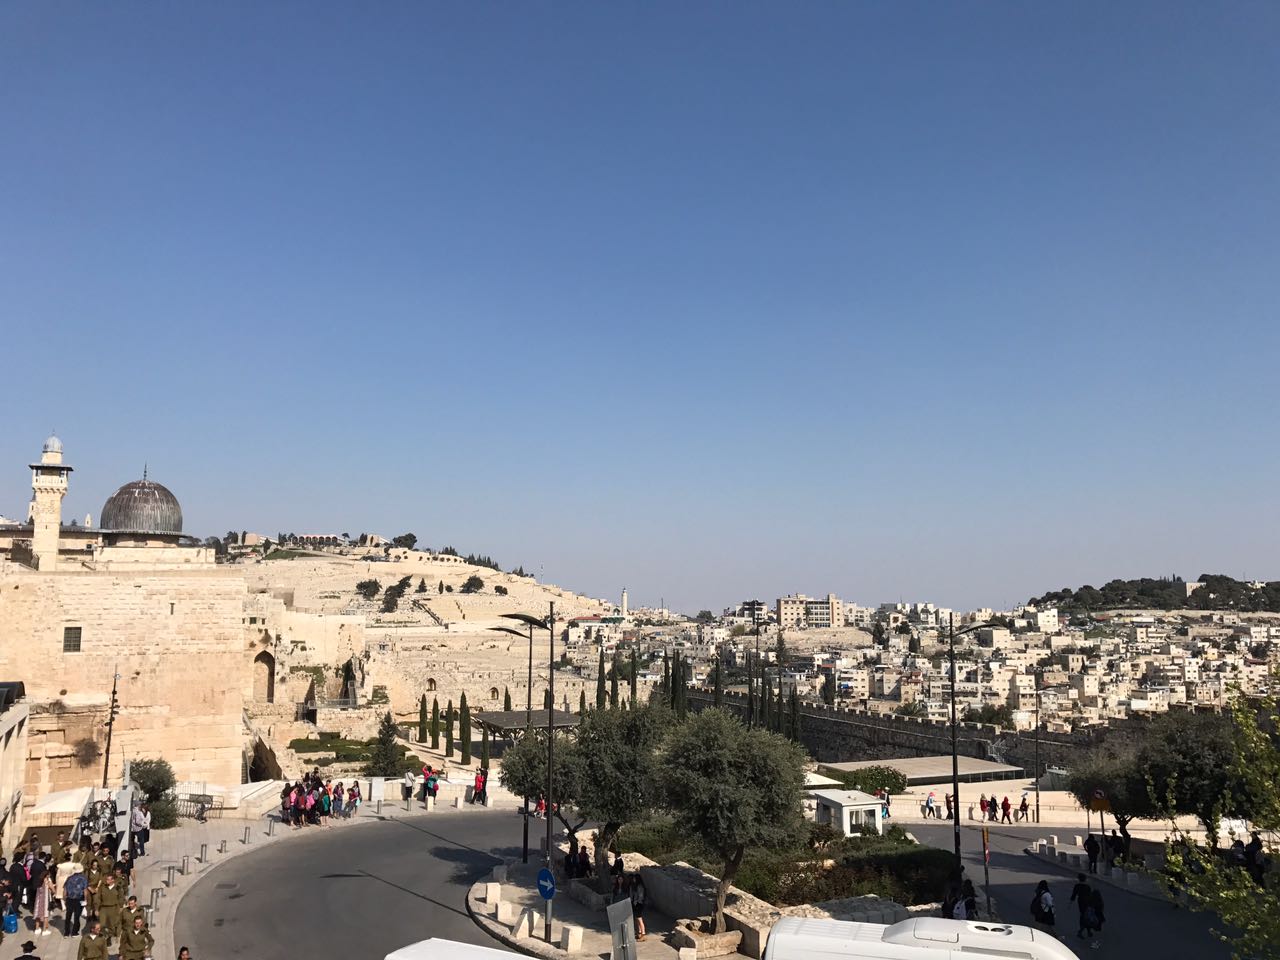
[549, 624]
[952, 633]
[528, 722]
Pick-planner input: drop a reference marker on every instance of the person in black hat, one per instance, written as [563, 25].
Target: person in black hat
[29, 951]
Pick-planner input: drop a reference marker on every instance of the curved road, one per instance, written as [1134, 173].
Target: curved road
[365, 890]
[1135, 926]
[350, 891]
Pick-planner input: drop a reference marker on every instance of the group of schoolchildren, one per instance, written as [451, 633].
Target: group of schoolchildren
[87, 883]
[313, 801]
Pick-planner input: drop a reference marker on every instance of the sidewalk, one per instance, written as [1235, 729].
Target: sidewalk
[168, 848]
[1063, 852]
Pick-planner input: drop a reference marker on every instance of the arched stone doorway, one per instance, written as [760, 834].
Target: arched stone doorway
[264, 678]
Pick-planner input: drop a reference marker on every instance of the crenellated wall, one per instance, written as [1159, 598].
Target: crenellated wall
[835, 734]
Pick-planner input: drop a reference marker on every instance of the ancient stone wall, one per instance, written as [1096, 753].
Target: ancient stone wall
[177, 641]
[835, 734]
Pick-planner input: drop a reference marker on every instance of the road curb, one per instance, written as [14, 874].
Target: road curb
[531, 948]
[1156, 895]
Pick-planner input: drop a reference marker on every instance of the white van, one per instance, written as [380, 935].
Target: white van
[435, 949]
[924, 938]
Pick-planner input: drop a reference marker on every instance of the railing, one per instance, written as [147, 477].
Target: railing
[197, 806]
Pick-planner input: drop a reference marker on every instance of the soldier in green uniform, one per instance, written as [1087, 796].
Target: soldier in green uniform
[130, 913]
[106, 862]
[83, 855]
[110, 900]
[93, 875]
[136, 942]
[62, 849]
[93, 945]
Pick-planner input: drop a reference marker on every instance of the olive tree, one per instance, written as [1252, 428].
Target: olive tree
[617, 751]
[524, 773]
[733, 787]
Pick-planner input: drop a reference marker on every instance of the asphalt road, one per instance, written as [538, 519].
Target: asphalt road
[1135, 926]
[359, 891]
[365, 891]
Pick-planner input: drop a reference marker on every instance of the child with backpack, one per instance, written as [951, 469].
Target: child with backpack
[1042, 908]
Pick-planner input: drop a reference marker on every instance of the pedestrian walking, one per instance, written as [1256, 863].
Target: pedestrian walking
[929, 808]
[1042, 908]
[1082, 897]
[136, 824]
[1097, 917]
[406, 792]
[1115, 848]
[40, 909]
[73, 891]
[110, 900]
[136, 942]
[638, 897]
[1005, 807]
[993, 808]
[1091, 849]
[982, 805]
[93, 945]
[29, 951]
[949, 800]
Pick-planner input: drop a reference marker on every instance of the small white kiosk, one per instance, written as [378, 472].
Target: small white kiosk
[851, 812]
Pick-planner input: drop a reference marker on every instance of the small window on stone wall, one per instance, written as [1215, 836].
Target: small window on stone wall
[70, 639]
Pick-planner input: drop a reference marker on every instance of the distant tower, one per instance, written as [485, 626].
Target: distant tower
[624, 602]
[48, 487]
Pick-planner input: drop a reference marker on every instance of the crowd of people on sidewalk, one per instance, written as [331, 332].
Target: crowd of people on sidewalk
[314, 801]
[993, 809]
[89, 884]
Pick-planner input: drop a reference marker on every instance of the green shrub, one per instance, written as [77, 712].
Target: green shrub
[869, 779]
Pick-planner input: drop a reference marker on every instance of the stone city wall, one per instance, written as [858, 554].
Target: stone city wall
[837, 734]
[175, 638]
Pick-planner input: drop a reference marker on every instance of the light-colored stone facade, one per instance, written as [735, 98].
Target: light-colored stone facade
[175, 637]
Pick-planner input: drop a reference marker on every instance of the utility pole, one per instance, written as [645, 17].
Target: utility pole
[551, 737]
[111, 722]
[1036, 675]
[955, 757]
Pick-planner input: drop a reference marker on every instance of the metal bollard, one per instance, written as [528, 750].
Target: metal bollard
[204, 853]
[171, 875]
[247, 835]
[407, 801]
[378, 809]
[149, 914]
[186, 865]
[222, 847]
[271, 827]
[156, 894]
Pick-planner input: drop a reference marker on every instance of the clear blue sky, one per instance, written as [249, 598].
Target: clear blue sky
[934, 301]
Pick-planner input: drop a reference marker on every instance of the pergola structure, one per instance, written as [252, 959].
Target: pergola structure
[511, 725]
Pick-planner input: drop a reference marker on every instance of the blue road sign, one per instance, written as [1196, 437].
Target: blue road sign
[546, 884]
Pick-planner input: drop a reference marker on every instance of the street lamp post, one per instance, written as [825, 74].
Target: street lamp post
[952, 633]
[550, 624]
[528, 722]
[1036, 674]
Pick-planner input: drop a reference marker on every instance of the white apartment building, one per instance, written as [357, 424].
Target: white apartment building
[797, 610]
[856, 616]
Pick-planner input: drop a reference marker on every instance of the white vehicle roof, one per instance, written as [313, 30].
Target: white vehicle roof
[922, 938]
[435, 949]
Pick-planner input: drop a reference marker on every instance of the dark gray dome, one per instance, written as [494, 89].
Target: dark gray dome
[142, 506]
